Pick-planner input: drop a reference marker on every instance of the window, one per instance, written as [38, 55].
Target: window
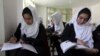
[66, 13]
[27, 3]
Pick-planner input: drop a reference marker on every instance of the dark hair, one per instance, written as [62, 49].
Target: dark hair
[26, 11]
[86, 11]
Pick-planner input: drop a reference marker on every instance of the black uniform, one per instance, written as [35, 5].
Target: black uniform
[40, 43]
[69, 34]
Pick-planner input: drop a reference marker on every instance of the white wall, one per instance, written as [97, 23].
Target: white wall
[12, 11]
[8, 19]
[96, 13]
[19, 10]
[2, 33]
[10, 15]
[42, 12]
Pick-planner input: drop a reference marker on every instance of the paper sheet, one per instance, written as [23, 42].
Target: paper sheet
[67, 45]
[10, 46]
[29, 47]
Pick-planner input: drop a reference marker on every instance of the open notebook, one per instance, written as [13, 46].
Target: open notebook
[11, 46]
[66, 45]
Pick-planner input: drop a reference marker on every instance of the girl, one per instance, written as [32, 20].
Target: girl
[79, 30]
[56, 28]
[31, 31]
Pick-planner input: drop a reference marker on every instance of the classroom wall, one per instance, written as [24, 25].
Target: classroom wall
[12, 12]
[96, 13]
[2, 32]
[10, 16]
[42, 12]
[2, 35]
[19, 10]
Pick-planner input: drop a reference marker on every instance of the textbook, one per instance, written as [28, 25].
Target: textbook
[11, 46]
[66, 45]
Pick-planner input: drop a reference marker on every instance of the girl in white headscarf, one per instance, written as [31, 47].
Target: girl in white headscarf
[31, 31]
[80, 30]
[83, 30]
[58, 23]
[56, 27]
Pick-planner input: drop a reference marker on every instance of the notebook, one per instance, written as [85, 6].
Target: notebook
[66, 45]
[12, 46]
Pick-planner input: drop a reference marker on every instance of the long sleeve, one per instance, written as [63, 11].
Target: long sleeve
[42, 37]
[17, 34]
[96, 37]
[41, 41]
[96, 33]
[68, 33]
[45, 40]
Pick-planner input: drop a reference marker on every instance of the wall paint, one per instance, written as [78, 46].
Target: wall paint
[2, 32]
[42, 12]
[12, 12]
[10, 17]
[96, 13]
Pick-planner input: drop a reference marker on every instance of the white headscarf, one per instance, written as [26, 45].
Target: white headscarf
[33, 29]
[58, 24]
[83, 32]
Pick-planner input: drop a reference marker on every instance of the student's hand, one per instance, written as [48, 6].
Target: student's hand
[92, 51]
[55, 33]
[81, 42]
[13, 40]
[21, 41]
[95, 50]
